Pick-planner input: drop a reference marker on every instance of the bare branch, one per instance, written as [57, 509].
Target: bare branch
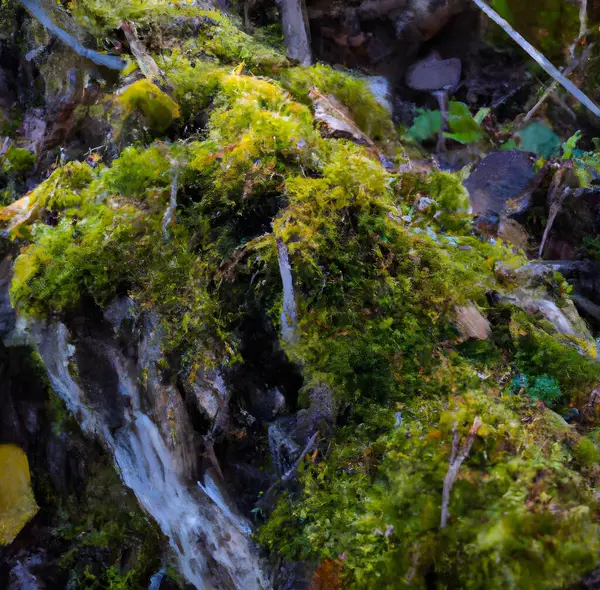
[148, 65]
[539, 58]
[568, 70]
[169, 216]
[38, 12]
[456, 460]
[556, 197]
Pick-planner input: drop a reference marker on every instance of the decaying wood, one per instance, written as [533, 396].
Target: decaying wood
[169, 216]
[456, 460]
[146, 62]
[556, 197]
[539, 58]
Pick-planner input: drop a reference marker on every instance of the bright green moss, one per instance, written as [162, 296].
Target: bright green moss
[221, 38]
[104, 16]
[352, 92]
[519, 516]
[158, 109]
[63, 190]
[17, 161]
[586, 452]
[539, 353]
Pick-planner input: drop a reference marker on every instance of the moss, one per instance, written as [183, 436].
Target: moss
[539, 353]
[158, 109]
[512, 524]
[586, 452]
[17, 161]
[102, 526]
[353, 92]
[550, 25]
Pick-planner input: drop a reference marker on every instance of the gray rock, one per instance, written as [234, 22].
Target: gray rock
[499, 184]
[433, 73]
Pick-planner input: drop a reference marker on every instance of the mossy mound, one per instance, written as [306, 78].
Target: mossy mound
[381, 261]
[17, 503]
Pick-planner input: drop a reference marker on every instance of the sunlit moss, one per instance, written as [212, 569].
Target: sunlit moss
[158, 109]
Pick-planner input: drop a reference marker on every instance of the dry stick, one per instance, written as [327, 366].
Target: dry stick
[148, 65]
[568, 70]
[456, 460]
[539, 58]
[555, 200]
[169, 215]
[265, 500]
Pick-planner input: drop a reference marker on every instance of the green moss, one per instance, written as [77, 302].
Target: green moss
[17, 161]
[158, 109]
[539, 353]
[550, 25]
[103, 525]
[512, 524]
[586, 452]
[353, 92]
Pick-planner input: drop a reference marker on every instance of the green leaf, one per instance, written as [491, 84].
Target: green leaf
[511, 144]
[482, 114]
[463, 127]
[569, 146]
[539, 139]
[426, 126]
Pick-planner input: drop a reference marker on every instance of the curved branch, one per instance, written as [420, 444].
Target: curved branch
[39, 12]
[539, 58]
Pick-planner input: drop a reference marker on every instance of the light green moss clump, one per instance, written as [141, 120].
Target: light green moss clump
[351, 91]
[158, 109]
[380, 262]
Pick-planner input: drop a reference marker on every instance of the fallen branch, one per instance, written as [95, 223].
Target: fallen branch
[288, 308]
[556, 197]
[169, 216]
[568, 70]
[265, 500]
[148, 65]
[540, 59]
[38, 12]
[456, 460]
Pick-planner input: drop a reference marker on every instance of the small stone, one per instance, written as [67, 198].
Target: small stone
[471, 323]
[433, 73]
[424, 203]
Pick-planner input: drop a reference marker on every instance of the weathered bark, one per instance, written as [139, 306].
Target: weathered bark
[146, 62]
[295, 30]
[456, 460]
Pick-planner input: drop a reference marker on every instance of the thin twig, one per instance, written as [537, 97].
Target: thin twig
[556, 198]
[169, 215]
[568, 70]
[539, 58]
[265, 500]
[456, 460]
